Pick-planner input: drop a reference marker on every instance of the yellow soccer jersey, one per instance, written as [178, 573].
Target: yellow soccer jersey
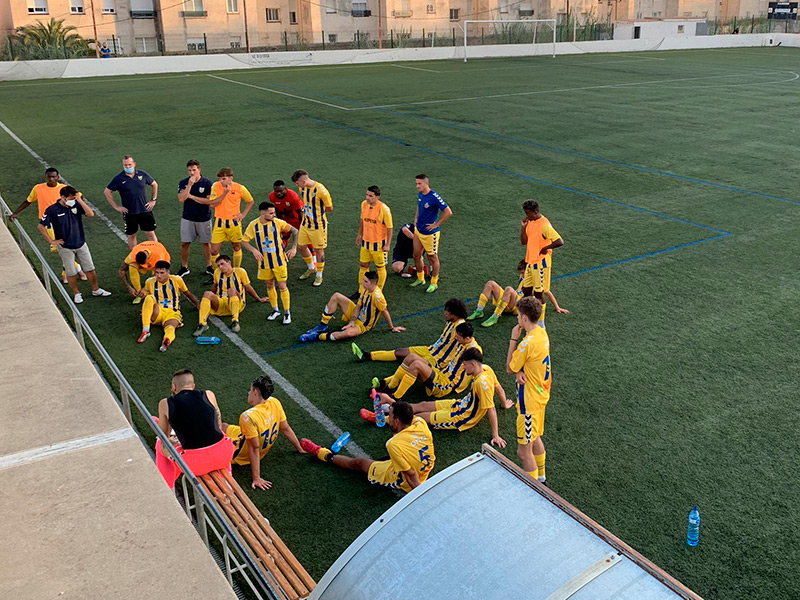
[412, 448]
[262, 421]
[268, 240]
[44, 196]
[314, 202]
[480, 398]
[455, 371]
[372, 305]
[532, 357]
[168, 294]
[235, 281]
[442, 349]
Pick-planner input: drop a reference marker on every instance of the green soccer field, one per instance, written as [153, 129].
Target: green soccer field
[671, 177]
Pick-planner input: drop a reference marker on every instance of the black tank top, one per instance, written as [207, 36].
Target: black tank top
[194, 419]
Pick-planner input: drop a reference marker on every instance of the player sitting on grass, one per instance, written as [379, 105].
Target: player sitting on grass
[411, 454]
[141, 259]
[440, 379]
[467, 412]
[505, 299]
[162, 304]
[455, 311]
[258, 430]
[227, 295]
[360, 316]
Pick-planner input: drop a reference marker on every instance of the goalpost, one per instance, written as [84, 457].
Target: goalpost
[535, 22]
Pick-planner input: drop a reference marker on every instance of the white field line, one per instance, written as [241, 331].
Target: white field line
[43, 452]
[104, 79]
[266, 89]
[296, 395]
[415, 68]
[540, 65]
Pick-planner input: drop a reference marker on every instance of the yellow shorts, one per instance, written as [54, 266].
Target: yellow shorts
[348, 314]
[167, 314]
[442, 417]
[537, 275]
[442, 385]
[369, 255]
[382, 473]
[316, 238]
[226, 230]
[224, 309]
[529, 427]
[430, 242]
[278, 273]
[233, 432]
[423, 352]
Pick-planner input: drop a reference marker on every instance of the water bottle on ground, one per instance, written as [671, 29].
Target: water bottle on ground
[693, 529]
[340, 442]
[380, 418]
[208, 340]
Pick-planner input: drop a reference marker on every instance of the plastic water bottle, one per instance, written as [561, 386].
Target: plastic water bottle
[340, 442]
[380, 418]
[208, 340]
[693, 529]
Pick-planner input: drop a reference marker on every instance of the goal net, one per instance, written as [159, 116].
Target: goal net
[538, 32]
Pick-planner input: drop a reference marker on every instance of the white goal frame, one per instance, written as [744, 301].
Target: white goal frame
[503, 21]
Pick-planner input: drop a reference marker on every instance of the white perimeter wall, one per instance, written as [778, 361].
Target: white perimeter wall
[86, 67]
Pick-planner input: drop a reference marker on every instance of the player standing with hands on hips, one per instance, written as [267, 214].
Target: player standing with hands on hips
[426, 237]
[136, 210]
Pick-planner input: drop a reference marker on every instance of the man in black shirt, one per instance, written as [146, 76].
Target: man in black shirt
[193, 193]
[403, 249]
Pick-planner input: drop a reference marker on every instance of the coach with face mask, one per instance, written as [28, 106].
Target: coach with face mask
[136, 209]
[66, 219]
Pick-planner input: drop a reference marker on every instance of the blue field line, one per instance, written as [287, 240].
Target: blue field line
[622, 261]
[504, 138]
[489, 167]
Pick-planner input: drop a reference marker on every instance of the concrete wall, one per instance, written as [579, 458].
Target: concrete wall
[656, 29]
[48, 69]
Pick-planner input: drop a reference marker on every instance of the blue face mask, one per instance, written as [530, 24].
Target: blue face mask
[129, 170]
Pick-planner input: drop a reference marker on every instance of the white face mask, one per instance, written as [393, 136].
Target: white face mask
[70, 203]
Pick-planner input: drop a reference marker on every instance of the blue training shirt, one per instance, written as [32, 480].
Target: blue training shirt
[193, 211]
[67, 224]
[428, 206]
[132, 190]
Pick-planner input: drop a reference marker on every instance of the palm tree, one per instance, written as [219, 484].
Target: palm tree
[47, 40]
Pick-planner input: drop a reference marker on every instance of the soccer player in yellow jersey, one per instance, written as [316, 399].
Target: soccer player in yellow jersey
[374, 235]
[529, 358]
[411, 452]
[227, 295]
[258, 430]
[162, 304]
[226, 199]
[455, 311]
[360, 316]
[313, 237]
[439, 379]
[505, 299]
[539, 238]
[267, 233]
[141, 259]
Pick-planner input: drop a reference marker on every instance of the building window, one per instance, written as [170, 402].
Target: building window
[431, 9]
[292, 18]
[332, 38]
[330, 8]
[236, 41]
[504, 8]
[38, 7]
[195, 44]
[273, 15]
[146, 45]
[525, 12]
[142, 9]
[657, 14]
[108, 7]
[680, 28]
[193, 8]
[454, 14]
[76, 7]
[233, 6]
[360, 9]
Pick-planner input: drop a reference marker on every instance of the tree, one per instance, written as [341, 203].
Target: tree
[46, 41]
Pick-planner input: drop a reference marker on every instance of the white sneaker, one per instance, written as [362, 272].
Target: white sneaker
[275, 314]
[101, 292]
[287, 318]
[317, 280]
[78, 298]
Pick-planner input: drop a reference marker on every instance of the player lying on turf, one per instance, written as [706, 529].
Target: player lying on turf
[411, 455]
[360, 316]
[227, 295]
[505, 299]
[258, 430]
[455, 311]
[467, 412]
[439, 379]
[141, 259]
[162, 304]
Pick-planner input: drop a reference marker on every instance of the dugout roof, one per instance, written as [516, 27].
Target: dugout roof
[483, 529]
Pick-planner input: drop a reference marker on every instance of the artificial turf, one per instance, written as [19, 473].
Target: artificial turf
[671, 178]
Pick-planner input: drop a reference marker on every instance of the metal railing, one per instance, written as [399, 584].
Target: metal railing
[208, 516]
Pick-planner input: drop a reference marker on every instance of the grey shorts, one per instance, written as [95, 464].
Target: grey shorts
[191, 230]
[80, 255]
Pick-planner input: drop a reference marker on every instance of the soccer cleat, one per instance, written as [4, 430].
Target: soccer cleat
[287, 318]
[432, 288]
[143, 337]
[209, 280]
[367, 415]
[77, 298]
[235, 327]
[165, 344]
[101, 292]
[313, 333]
[82, 276]
[360, 356]
[307, 274]
[314, 449]
[478, 314]
[275, 314]
[182, 272]
[210, 270]
[379, 385]
[490, 321]
[417, 283]
[317, 280]
[137, 300]
[201, 329]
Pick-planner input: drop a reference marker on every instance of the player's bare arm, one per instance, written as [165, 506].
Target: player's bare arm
[523, 234]
[110, 199]
[387, 241]
[496, 439]
[254, 251]
[446, 214]
[25, 204]
[251, 290]
[291, 252]
[86, 208]
[388, 318]
[196, 304]
[151, 205]
[360, 234]
[505, 403]
[411, 478]
[288, 432]
[253, 447]
[163, 423]
[552, 299]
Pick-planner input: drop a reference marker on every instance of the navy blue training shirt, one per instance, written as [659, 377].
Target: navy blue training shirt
[67, 224]
[192, 211]
[429, 206]
[132, 190]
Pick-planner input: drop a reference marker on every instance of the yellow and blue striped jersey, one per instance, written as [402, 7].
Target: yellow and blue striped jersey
[237, 279]
[372, 305]
[268, 241]
[454, 370]
[442, 349]
[314, 202]
[480, 398]
[167, 294]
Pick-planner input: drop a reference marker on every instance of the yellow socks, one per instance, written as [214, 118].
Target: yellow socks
[214, 258]
[501, 306]
[237, 258]
[482, 301]
[394, 380]
[382, 355]
[205, 310]
[236, 305]
[421, 274]
[147, 311]
[434, 280]
[534, 474]
[135, 277]
[361, 272]
[169, 333]
[540, 463]
[285, 300]
[381, 276]
[323, 454]
[272, 294]
[405, 384]
[320, 267]
[309, 260]
[326, 318]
